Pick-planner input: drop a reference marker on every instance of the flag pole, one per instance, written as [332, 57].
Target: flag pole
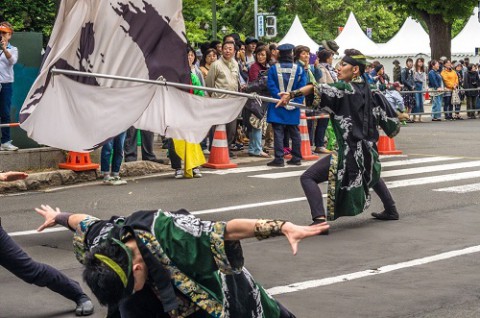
[163, 82]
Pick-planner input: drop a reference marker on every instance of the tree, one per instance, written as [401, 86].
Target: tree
[439, 17]
[30, 15]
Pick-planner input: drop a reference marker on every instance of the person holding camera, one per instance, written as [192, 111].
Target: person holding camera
[8, 58]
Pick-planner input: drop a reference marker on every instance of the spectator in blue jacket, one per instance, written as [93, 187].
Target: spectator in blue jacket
[285, 119]
[435, 83]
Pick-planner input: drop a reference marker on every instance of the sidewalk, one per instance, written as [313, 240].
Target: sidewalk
[58, 177]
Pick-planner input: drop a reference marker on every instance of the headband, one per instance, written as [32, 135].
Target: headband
[114, 265]
[4, 28]
[355, 60]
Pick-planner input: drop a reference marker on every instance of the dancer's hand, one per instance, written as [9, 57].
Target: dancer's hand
[284, 99]
[12, 176]
[296, 233]
[49, 214]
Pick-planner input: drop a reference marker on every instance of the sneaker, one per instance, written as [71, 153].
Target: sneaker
[115, 181]
[84, 307]
[287, 151]
[178, 174]
[322, 150]
[276, 164]
[8, 146]
[206, 152]
[294, 162]
[197, 173]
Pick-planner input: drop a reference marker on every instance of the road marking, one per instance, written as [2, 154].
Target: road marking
[249, 206]
[427, 169]
[461, 189]
[434, 179]
[388, 173]
[370, 272]
[253, 169]
[391, 156]
[415, 161]
[33, 232]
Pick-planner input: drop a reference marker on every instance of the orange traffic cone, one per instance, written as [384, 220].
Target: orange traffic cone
[78, 161]
[386, 145]
[306, 147]
[219, 157]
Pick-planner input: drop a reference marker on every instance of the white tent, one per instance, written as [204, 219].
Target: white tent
[410, 40]
[468, 39]
[352, 36]
[298, 36]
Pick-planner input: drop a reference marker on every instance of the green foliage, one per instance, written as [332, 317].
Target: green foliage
[30, 15]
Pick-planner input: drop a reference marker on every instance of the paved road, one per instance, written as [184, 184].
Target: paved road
[424, 265]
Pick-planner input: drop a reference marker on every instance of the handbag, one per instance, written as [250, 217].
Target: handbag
[259, 85]
[258, 123]
[456, 97]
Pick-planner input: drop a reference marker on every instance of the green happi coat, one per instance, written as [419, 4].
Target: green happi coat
[355, 113]
[206, 271]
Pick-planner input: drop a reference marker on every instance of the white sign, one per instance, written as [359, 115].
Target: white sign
[261, 26]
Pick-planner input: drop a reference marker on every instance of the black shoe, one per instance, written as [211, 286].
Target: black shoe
[386, 215]
[320, 221]
[294, 162]
[84, 307]
[232, 155]
[276, 164]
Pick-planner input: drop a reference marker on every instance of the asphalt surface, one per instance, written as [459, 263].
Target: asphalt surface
[423, 281]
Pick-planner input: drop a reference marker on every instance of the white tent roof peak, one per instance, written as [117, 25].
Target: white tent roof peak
[353, 36]
[467, 40]
[297, 35]
[411, 39]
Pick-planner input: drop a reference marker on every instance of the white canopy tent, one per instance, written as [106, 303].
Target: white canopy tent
[410, 40]
[468, 39]
[297, 35]
[353, 36]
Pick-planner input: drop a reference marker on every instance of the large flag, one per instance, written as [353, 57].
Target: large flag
[132, 38]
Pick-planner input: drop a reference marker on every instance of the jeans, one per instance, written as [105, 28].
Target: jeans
[447, 106]
[436, 106]
[5, 105]
[319, 173]
[418, 98]
[15, 260]
[279, 131]
[116, 145]
[255, 143]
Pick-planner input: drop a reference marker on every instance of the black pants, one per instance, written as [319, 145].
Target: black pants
[130, 146]
[175, 160]
[15, 260]
[279, 130]
[318, 173]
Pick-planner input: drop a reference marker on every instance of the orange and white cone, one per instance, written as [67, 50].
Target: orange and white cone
[386, 145]
[306, 147]
[219, 156]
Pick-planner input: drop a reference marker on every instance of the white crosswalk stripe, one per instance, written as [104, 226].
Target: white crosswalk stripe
[461, 189]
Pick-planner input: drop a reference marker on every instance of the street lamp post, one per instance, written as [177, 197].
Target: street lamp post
[255, 16]
[214, 19]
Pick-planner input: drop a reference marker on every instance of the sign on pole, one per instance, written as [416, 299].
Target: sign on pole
[369, 33]
[261, 26]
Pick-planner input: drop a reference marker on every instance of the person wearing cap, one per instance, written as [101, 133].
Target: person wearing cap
[8, 58]
[250, 46]
[378, 77]
[172, 264]
[285, 76]
[355, 112]
[392, 94]
[397, 71]
[330, 45]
